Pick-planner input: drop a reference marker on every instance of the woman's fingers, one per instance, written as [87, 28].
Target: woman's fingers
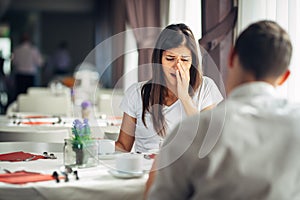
[178, 77]
[184, 74]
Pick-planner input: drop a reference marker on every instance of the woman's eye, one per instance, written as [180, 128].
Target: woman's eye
[169, 59]
[185, 60]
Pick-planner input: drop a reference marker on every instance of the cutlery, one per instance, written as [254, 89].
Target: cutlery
[6, 170]
[50, 156]
[27, 159]
[65, 170]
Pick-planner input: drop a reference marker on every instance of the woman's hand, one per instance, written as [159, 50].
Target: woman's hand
[183, 84]
[183, 81]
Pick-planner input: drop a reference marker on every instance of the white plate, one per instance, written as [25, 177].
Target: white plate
[108, 156]
[125, 175]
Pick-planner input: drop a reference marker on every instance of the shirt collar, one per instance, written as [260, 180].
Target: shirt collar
[253, 89]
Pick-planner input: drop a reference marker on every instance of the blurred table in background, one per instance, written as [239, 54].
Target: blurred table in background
[66, 102]
[51, 129]
[46, 114]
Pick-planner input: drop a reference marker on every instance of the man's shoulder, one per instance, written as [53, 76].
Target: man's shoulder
[291, 110]
[194, 128]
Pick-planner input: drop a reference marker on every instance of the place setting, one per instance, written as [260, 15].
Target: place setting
[124, 165]
[24, 176]
[128, 165]
[32, 120]
[24, 156]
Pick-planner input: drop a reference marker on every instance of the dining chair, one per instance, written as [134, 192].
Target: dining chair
[108, 103]
[45, 104]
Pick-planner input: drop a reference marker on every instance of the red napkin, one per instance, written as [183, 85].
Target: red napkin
[20, 156]
[37, 123]
[22, 177]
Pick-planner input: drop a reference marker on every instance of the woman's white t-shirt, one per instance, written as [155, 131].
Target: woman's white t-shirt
[146, 138]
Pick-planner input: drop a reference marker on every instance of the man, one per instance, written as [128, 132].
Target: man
[247, 147]
[26, 60]
[61, 59]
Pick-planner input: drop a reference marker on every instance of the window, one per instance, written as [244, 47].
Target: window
[287, 14]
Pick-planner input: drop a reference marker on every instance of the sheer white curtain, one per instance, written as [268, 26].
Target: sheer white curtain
[188, 12]
[287, 14]
[130, 60]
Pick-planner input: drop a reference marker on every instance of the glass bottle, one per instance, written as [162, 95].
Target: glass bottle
[69, 153]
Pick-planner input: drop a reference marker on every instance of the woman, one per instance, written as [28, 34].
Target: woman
[177, 89]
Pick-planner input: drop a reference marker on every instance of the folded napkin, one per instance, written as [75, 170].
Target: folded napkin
[20, 156]
[37, 123]
[22, 177]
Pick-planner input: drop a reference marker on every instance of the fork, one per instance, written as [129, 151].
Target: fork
[27, 159]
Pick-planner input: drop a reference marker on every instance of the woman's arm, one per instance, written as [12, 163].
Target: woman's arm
[189, 107]
[127, 132]
[150, 180]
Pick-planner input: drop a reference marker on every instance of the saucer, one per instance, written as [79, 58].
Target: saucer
[110, 156]
[125, 175]
[107, 156]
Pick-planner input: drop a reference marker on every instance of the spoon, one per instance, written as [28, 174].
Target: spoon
[6, 170]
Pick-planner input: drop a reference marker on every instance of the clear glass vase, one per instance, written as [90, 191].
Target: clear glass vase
[80, 154]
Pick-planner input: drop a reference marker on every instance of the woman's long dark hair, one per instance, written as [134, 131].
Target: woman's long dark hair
[155, 90]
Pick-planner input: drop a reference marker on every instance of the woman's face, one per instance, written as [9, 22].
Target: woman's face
[171, 58]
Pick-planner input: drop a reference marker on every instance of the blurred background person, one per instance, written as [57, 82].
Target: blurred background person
[61, 59]
[26, 60]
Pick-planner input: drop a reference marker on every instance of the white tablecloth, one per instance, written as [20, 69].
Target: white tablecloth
[94, 183]
[56, 133]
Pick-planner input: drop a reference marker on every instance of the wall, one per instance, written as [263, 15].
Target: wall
[76, 29]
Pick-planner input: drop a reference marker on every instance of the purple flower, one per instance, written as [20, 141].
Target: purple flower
[80, 130]
[85, 104]
[77, 124]
[86, 121]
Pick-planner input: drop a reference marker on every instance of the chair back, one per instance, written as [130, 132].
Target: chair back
[45, 104]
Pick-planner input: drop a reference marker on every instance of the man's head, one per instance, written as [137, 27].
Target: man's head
[264, 52]
[24, 38]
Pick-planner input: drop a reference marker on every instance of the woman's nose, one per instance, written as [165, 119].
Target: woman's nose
[177, 61]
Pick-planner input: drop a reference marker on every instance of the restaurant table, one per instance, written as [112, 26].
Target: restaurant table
[15, 129]
[94, 182]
